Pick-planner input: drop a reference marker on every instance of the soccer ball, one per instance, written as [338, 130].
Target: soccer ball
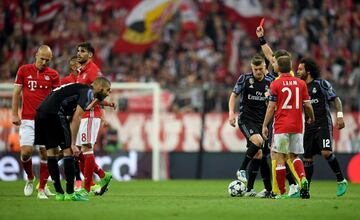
[236, 188]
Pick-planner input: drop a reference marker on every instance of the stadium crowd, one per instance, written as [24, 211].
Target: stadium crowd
[185, 60]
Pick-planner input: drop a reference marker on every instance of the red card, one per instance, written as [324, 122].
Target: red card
[262, 22]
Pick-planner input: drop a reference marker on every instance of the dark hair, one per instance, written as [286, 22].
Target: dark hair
[311, 67]
[87, 46]
[257, 60]
[284, 64]
[280, 53]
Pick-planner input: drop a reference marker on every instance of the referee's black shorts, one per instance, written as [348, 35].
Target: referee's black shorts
[52, 130]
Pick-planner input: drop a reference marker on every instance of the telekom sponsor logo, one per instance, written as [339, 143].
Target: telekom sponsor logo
[32, 85]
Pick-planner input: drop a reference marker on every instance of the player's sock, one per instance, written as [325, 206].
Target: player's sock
[334, 164]
[275, 187]
[252, 149]
[54, 173]
[69, 173]
[253, 171]
[27, 166]
[293, 171]
[89, 170]
[77, 170]
[100, 172]
[81, 162]
[265, 173]
[299, 168]
[280, 177]
[309, 170]
[44, 174]
[289, 176]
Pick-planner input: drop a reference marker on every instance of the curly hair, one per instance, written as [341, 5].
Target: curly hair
[311, 67]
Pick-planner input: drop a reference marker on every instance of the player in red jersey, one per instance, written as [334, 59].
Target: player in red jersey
[90, 124]
[288, 95]
[73, 72]
[35, 81]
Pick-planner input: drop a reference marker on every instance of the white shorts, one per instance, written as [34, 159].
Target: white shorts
[288, 143]
[88, 131]
[27, 133]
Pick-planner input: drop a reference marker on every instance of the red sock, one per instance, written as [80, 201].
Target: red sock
[100, 172]
[81, 163]
[27, 165]
[88, 170]
[280, 177]
[299, 167]
[44, 174]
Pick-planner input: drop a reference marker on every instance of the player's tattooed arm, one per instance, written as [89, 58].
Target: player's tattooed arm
[339, 116]
[266, 49]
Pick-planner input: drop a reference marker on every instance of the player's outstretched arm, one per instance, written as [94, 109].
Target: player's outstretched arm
[340, 115]
[232, 117]
[268, 116]
[74, 127]
[110, 104]
[309, 112]
[264, 45]
[15, 105]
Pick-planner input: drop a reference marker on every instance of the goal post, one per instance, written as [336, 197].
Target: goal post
[155, 137]
[152, 88]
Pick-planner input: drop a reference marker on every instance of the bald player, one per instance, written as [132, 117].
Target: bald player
[32, 84]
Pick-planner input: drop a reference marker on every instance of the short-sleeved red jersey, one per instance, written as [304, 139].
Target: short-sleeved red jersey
[289, 93]
[36, 85]
[87, 75]
[71, 78]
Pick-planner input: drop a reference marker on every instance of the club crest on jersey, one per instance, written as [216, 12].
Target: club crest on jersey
[47, 77]
[251, 81]
[314, 90]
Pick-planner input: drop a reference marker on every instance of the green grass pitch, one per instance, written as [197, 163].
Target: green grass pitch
[181, 199]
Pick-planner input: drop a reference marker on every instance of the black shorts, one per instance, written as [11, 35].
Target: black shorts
[52, 130]
[317, 140]
[249, 128]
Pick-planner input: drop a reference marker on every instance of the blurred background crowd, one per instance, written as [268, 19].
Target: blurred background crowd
[187, 59]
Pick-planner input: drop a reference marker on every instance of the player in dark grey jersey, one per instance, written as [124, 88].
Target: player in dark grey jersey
[251, 87]
[318, 136]
[53, 129]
